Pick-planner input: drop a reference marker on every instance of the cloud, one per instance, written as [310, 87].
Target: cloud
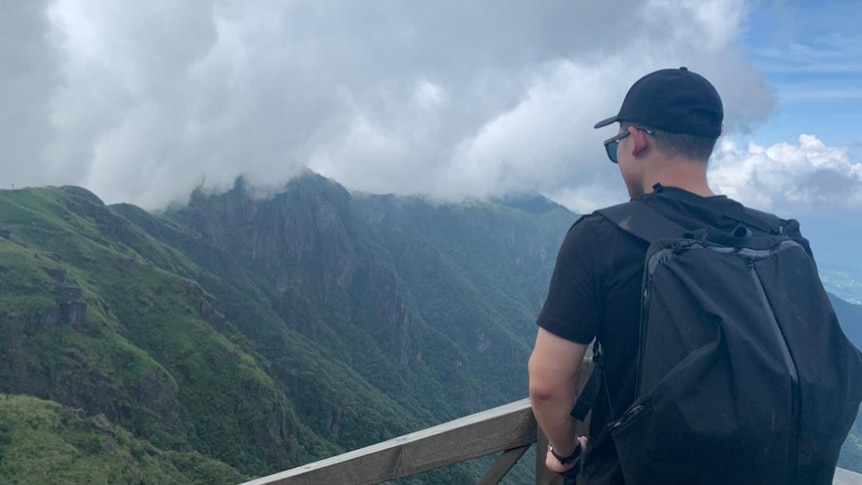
[808, 178]
[141, 101]
[29, 79]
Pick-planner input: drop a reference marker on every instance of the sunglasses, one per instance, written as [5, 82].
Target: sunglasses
[612, 144]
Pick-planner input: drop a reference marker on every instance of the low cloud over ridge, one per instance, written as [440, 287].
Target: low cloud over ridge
[806, 178]
[140, 102]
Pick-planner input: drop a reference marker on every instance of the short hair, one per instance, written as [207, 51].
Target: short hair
[679, 145]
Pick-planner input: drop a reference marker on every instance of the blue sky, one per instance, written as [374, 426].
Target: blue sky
[811, 54]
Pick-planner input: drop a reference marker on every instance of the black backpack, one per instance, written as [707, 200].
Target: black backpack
[744, 375]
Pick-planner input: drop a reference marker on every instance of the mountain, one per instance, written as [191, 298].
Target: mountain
[242, 334]
[266, 333]
[844, 281]
[850, 317]
[531, 202]
[42, 440]
[98, 316]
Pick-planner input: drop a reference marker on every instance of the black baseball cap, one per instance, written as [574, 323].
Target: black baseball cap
[675, 101]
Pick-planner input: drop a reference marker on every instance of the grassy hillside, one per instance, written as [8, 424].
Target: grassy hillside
[102, 318]
[260, 342]
[44, 442]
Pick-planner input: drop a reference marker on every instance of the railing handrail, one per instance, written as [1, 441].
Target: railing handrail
[510, 428]
[506, 427]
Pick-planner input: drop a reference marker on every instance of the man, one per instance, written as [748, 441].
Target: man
[668, 125]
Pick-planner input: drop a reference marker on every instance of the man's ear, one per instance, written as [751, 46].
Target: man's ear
[640, 142]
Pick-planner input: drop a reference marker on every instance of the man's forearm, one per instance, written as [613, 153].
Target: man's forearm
[552, 414]
[553, 367]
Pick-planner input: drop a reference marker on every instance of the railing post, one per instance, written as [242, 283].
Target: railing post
[543, 475]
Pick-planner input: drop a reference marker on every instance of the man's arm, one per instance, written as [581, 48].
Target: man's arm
[552, 369]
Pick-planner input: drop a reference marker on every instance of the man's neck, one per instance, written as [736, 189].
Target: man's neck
[682, 174]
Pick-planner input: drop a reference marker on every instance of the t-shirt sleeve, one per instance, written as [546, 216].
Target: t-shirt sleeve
[572, 307]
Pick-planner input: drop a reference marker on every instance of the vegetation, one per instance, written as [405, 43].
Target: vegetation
[236, 336]
[43, 442]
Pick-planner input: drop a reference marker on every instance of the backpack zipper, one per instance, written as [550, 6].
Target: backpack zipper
[631, 414]
[785, 350]
[652, 263]
[791, 367]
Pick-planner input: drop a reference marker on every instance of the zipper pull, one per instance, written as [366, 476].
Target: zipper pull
[628, 416]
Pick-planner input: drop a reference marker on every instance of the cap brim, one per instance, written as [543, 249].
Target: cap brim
[612, 119]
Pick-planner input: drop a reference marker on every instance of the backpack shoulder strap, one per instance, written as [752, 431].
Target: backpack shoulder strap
[643, 222]
[774, 223]
[762, 221]
[639, 220]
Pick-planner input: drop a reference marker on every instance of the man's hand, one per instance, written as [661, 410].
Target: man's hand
[553, 464]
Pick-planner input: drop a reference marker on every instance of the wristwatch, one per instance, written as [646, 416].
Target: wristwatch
[565, 460]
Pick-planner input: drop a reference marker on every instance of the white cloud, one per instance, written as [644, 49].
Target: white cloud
[140, 101]
[807, 178]
[29, 79]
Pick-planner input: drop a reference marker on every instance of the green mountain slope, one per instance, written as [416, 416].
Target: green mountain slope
[264, 339]
[850, 316]
[410, 298]
[97, 322]
[43, 441]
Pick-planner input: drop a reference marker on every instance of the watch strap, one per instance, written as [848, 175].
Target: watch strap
[565, 460]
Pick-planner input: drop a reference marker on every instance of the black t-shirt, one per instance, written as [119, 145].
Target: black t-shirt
[595, 293]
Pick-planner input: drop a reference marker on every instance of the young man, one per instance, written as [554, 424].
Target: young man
[668, 126]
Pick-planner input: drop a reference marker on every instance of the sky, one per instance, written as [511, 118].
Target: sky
[142, 101]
